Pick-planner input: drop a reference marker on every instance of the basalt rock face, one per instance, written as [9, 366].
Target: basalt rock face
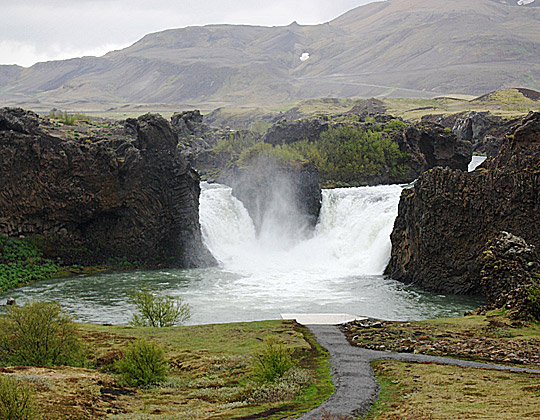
[430, 145]
[286, 132]
[188, 123]
[89, 202]
[486, 132]
[511, 276]
[446, 219]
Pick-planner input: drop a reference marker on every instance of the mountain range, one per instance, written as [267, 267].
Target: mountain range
[400, 48]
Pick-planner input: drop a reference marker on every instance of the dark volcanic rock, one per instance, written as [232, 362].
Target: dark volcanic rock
[89, 202]
[286, 132]
[18, 120]
[369, 107]
[188, 123]
[447, 218]
[485, 131]
[510, 269]
[430, 145]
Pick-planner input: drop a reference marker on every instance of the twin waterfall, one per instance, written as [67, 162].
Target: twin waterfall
[337, 268]
[351, 238]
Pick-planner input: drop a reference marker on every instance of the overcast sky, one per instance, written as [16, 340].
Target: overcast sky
[42, 30]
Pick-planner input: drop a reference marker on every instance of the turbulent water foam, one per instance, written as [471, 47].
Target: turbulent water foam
[476, 161]
[351, 238]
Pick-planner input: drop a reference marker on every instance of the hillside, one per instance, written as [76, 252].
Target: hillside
[400, 48]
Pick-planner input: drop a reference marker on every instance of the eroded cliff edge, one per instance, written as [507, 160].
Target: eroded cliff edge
[90, 201]
[448, 218]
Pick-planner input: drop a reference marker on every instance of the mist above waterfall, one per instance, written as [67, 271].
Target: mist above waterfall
[283, 204]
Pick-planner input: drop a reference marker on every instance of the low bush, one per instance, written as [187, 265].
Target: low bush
[68, 119]
[16, 400]
[39, 334]
[143, 364]
[158, 311]
[285, 388]
[272, 361]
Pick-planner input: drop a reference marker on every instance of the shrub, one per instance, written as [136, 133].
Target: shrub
[395, 125]
[16, 400]
[272, 361]
[39, 334]
[143, 364]
[68, 119]
[282, 156]
[286, 388]
[158, 311]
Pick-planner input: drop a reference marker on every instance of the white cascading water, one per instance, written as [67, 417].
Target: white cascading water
[351, 238]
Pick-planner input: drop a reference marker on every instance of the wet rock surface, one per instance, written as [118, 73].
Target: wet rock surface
[446, 219]
[86, 199]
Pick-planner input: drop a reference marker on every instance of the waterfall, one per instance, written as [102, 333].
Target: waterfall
[335, 269]
[352, 236]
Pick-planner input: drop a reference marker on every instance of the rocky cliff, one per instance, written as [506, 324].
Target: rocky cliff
[86, 200]
[486, 132]
[446, 220]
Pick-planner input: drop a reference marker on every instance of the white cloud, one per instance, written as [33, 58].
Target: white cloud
[42, 30]
[26, 54]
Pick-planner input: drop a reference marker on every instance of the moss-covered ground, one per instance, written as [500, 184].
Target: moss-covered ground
[412, 391]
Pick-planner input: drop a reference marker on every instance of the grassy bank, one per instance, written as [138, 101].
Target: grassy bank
[209, 375]
[414, 391]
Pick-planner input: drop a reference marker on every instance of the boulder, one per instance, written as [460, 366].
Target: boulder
[511, 276]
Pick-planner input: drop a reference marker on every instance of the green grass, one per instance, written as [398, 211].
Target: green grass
[209, 366]
[21, 263]
[436, 392]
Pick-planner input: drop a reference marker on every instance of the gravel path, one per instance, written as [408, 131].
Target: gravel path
[356, 386]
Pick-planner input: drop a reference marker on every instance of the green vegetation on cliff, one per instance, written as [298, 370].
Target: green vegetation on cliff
[353, 154]
[344, 154]
[21, 262]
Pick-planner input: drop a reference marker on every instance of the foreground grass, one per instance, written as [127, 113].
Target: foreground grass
[209, 375]
[412, 391]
